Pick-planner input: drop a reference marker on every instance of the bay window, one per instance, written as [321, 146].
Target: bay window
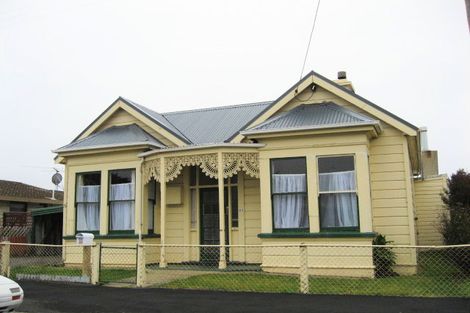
[121, 200]
[289, 194]
[338, 201]
[87, 198]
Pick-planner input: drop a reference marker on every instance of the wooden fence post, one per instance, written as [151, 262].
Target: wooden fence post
[5, 271]
[303, 268]
[95, 263]
[86, 261]
[141, 272]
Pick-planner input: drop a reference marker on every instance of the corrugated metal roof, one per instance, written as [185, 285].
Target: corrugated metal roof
[159, 118]
[313, 115]
[214, 125]
[113, 136]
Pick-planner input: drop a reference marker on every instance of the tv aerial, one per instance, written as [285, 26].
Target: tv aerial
[56, 180]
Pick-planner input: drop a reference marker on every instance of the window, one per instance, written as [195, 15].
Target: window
[338, 195]
[88, 201]
[17, 207]
[234, 202]
[193, 208]
[121, 199]
[152, 192]
[289, 193]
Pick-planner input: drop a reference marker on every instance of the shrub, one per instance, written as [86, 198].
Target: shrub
[384, 258]
[455, 223]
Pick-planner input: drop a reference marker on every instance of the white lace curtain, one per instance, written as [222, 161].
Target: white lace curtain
[338, 209]
[88, 206]
[290, 210]
[122, 205]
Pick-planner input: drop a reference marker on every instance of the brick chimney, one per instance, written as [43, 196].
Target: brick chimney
[343, 81]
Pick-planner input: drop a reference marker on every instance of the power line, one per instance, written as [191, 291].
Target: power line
[310, 39]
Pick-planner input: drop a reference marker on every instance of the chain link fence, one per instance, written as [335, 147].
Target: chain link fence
[43, 262]
[442, 271]
[315, 269]
[118, 264]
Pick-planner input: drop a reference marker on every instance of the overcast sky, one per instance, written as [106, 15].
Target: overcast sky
[63, 62]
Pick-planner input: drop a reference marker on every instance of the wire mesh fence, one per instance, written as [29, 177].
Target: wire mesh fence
[43, 262]
[316, 269]
[442, 271]
[230, 268]
[118, 264]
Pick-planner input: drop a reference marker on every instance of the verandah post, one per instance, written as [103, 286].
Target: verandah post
[303, 268]
[220, 181]
[162, 212]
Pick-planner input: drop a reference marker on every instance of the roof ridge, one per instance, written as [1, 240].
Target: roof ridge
[233, 106]
[273, 119]
[24, 184]
[140, 106]
[352, 113]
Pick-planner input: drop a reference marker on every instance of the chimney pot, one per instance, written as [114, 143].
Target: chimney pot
[342, 75]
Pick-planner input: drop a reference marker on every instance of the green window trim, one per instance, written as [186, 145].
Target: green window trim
[95, 232]
[76, 202]
[272, 194]
[117, 231]
[291, 230]
[117, 236]
[122, 232]
[336, 229]
[340, 229]
[343, 234]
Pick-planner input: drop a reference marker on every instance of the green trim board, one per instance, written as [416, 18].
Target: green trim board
[117, 236]
[47, 210]
[342, 234]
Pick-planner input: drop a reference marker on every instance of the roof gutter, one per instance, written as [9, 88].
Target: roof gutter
[200, 147]
[375, 124]
[122, 145]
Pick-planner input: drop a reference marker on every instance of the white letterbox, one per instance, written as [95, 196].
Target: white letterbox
[85, 239]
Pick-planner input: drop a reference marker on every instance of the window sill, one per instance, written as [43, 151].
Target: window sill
[344, 234]
[118, 236]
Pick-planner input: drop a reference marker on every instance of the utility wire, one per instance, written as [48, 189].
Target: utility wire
[310, 39]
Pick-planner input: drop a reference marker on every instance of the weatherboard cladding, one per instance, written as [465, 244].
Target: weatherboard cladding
[313, 115]
[215, 125]
[114, 136]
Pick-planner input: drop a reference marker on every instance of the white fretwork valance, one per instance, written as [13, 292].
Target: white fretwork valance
[233, 162]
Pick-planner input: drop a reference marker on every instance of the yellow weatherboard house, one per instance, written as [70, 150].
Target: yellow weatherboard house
[318, 165]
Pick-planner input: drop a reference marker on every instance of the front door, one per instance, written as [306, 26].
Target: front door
[210, 235]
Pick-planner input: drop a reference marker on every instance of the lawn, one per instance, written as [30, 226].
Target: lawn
[124, 275]
[391, 286]
[436, 278]
[106, 275]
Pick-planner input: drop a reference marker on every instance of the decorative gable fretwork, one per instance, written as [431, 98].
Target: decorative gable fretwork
[233, 162]
[151, 169]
